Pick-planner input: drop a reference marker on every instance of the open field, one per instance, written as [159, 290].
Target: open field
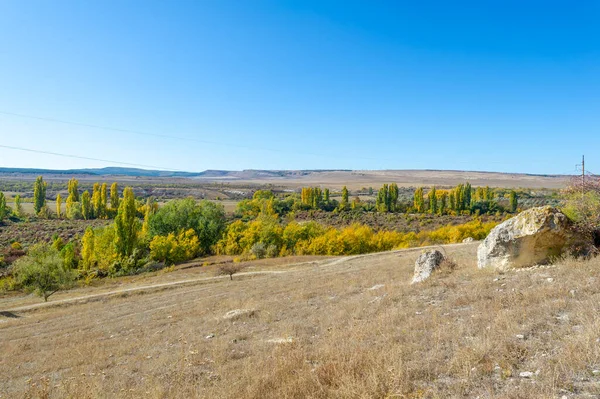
[358, 179]
[349, 327]
[225, 183]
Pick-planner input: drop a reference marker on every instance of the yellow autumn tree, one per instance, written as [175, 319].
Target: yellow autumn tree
[58, 206]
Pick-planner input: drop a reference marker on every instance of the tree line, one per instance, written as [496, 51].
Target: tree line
[460, 200]
[101, 203]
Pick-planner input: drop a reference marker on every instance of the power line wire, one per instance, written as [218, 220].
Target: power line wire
[86, 158]
[168, 136]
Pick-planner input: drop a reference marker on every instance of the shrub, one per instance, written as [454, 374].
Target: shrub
[206, 218]
[272, 251]
[173, 249]
[259, 250]
[44, 212]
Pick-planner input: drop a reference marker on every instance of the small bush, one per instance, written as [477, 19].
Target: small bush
[272, 251]
[171, 249]
[259, 250]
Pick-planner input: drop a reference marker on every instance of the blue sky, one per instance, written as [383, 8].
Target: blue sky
[250, 84]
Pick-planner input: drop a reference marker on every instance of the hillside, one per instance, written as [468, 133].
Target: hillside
[468, 333]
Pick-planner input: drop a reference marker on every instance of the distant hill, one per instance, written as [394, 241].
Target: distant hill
[112, 171]
[120, 171]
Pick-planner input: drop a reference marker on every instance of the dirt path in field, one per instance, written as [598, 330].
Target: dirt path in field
[292, 268]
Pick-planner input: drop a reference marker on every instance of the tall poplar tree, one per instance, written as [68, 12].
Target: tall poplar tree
[419, 200]
[96, 201]
[87, 248]
[86, 205]
[514, 201]
[18, 206]
[393, 197]
[58, 206]
[39, 194]
[3, 207]
[344, 203]
[381, 203]
[149, 210]
[114, 197]
[433, 208]
[467, 196]
[443, 203]
[126, 224]
[103, 200]
[73, 197]
[73, 187]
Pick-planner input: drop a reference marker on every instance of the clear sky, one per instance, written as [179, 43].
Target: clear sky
[251, 84]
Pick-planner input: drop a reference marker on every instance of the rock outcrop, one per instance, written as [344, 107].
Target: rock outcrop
[468, 239]
[425, 264]
[239, 313]
[534, 236]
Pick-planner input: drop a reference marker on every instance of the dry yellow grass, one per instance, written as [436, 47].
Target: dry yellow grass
[344, 328]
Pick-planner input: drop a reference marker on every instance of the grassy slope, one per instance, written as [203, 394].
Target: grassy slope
[452, 336]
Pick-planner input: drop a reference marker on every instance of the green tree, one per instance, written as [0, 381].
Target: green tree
[467, 195]
[460, 198]
[206, 218]
[326, 196]
[3, 207]
[514, 201]
[344, 203]
[149, 210]
[43, 271]
[452, 200]
[67, 253]
[126, 224]
[488, 194]
[443, 203]
[39, 194]
[433, 208]
[381, 203]
[58, 206]
[393, 195]
[18, 206]
[479, 194]
[103, 201]
[72, 203]
[96, 201]
[114, 197]
[86, 205]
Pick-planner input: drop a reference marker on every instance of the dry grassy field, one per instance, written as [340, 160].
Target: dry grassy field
[358, 179]
[349, 327]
